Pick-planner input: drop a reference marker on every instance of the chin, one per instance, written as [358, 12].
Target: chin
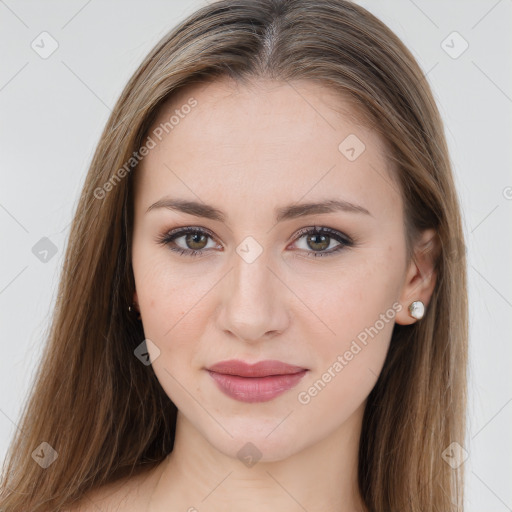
[264, 441]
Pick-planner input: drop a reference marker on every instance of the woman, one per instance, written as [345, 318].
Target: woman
[263, 303]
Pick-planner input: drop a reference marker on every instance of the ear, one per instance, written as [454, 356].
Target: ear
[135, 299]
[420, 278]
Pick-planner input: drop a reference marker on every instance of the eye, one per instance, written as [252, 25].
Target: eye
[193, 241]
[318, 239]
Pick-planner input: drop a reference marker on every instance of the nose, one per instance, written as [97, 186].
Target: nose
[253, 306]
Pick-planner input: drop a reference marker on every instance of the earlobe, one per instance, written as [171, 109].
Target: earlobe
[420, 280]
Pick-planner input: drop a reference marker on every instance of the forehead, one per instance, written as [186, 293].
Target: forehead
[271, 142]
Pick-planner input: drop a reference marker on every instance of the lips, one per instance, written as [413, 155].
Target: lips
[260, 369]
[258, 382]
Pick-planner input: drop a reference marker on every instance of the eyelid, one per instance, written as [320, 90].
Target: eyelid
[171, 234]
[323, 229]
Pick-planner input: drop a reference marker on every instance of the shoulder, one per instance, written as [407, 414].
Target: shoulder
[129, 494]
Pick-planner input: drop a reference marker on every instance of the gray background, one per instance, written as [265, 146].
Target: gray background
[53, 110]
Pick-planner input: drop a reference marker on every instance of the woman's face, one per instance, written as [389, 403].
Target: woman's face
[261, 285]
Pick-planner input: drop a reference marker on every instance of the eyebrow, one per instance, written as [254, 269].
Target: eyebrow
[289, 212]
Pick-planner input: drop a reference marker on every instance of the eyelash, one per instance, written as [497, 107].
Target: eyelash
[344, 240]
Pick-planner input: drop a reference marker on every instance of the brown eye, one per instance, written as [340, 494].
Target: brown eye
[188, 241]
[318, 242]
[196, 241]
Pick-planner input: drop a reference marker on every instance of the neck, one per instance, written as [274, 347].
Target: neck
[197, 477]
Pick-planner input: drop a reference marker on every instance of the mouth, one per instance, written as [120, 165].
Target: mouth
[259, 382]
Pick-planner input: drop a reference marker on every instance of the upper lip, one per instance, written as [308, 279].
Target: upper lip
[259, 369]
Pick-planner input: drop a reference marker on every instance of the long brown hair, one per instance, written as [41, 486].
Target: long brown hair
[105, 413]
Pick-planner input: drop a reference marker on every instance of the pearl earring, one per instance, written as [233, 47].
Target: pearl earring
[417, 309]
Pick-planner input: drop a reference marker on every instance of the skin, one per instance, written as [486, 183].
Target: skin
[247, 150]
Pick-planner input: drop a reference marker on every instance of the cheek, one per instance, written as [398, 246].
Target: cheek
[173, 305]
[348, 299]
[348, 364]
[174, 319]
[177, 310]
[356, 314]
[169, 298]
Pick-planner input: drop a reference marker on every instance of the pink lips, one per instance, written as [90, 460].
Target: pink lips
[259, 382]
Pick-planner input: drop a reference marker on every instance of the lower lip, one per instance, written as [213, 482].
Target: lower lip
[255, 389]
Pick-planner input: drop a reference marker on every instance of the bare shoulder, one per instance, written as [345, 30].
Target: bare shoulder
[129, 494]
